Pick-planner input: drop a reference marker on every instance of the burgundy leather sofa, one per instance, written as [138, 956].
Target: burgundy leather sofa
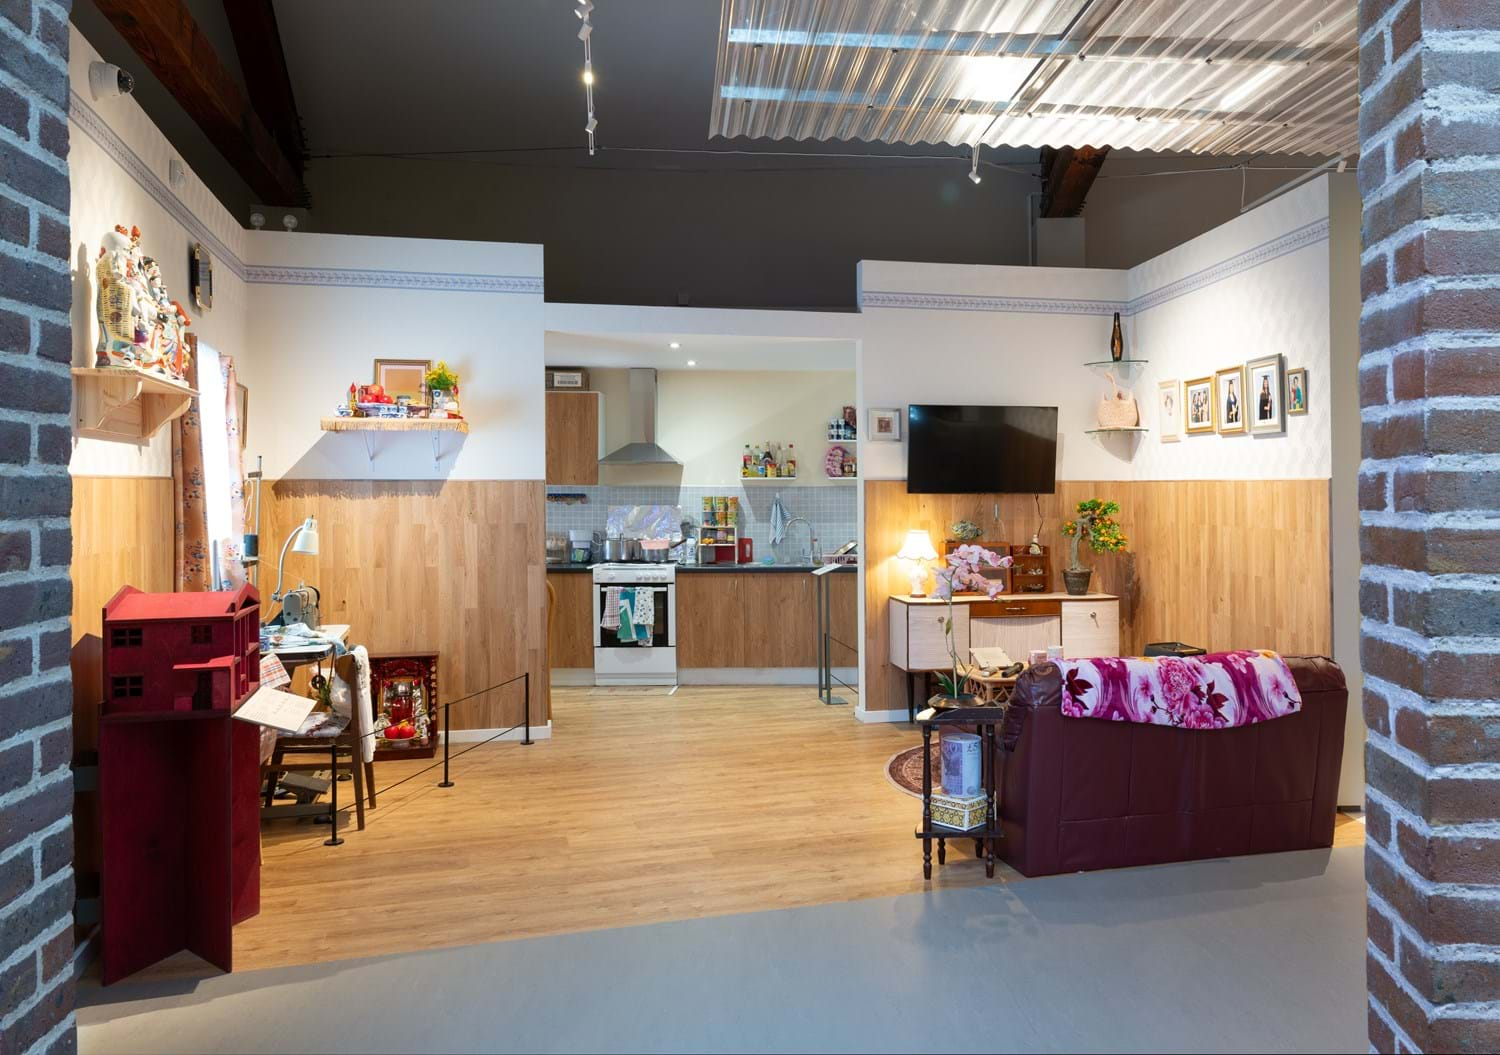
[1080, 794]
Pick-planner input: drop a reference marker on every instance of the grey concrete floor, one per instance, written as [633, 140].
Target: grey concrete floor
[1250, 954]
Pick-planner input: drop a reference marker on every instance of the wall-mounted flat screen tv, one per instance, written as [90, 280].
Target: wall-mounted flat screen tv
[981, 450]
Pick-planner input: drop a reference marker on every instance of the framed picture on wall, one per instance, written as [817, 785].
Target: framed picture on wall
[242, 407]
[1229, 400]
[1198, 404]
[402, 377]
[1296, 391]
[1266, 388]
[885, 424]
[1169, 411]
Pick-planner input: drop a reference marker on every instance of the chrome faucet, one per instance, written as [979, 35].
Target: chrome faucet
[810, 555]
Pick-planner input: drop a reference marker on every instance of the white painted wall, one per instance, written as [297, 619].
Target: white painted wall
[944, 333]
[324, 307]
[1255, 286]
[707, 416]
[119, 168]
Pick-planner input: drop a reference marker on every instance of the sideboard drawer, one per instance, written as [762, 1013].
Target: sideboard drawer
[1091, 628]
[1011, 607]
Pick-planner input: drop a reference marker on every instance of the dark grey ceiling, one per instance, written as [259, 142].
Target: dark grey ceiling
[494, 81]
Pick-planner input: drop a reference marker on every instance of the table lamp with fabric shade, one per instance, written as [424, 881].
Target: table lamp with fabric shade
[918, 548]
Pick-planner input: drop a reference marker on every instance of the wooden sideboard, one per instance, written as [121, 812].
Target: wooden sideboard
[1087, 625]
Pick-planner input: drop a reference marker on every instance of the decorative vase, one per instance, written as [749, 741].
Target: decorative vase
[943, 702]
[1077, 582]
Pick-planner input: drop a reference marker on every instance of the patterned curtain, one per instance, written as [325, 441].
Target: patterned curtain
[192, 572]
[232, 549]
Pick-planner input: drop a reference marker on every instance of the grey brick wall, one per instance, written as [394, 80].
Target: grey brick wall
[36, 736]
[1429, 173]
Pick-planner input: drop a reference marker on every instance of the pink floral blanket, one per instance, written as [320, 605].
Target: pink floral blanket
[1219, 691]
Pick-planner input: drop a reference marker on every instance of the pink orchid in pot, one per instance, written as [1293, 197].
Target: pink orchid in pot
[964, 572]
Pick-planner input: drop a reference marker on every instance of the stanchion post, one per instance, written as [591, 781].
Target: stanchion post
[526, 714]
[447, 739]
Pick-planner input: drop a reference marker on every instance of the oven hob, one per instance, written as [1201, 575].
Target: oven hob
[619, 662]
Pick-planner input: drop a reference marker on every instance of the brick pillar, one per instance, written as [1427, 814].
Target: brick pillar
[1429, 173]
[36, 736]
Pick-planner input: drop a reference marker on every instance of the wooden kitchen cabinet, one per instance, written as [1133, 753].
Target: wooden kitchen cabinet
[574, 426]
[571, 644]
[759, 619]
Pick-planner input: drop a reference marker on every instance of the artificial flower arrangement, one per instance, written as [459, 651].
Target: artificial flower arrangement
[1095, 524]
[963, 572]
[442, 389]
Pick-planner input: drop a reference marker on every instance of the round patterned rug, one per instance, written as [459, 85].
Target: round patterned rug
[904, 770]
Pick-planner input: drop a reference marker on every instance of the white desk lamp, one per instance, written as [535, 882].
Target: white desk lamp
[305, 535]
[918, 548]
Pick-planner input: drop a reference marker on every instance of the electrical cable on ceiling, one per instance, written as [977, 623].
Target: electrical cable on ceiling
[584, 9]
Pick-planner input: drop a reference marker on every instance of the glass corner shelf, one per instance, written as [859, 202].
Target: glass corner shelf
[1127, 363]
[1126, 428]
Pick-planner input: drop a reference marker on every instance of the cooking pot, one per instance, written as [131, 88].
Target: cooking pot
[622, 549]
[658, 550]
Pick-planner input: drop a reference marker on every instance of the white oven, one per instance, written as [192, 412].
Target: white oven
[619, 662]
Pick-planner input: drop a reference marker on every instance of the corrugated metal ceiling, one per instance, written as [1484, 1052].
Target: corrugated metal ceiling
[1203, 76]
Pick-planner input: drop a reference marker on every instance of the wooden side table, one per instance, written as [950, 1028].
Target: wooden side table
[984, 719]
[991, 688]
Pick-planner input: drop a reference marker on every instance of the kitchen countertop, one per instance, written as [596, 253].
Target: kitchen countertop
[757, 568]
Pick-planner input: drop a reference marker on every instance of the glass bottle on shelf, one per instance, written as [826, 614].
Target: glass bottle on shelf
[1116, 341]
[791, 459]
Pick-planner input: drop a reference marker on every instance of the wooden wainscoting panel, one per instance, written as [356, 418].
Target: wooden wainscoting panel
[457, 566]
[572, 643]
[1218, 563]
[122, 536]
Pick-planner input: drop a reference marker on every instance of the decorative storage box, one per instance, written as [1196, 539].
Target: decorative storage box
[960, 769]
[958, 811]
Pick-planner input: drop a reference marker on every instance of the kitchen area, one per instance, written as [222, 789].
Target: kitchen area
[693, 488]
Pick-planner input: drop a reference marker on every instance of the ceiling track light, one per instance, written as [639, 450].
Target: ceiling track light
[974, 176]
[585, 33]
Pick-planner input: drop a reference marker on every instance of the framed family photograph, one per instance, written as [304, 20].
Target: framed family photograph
[1229, 400]
[1198, 405]
[885, 424]
[1168, 411]
[1267, 387]
[1296, 391]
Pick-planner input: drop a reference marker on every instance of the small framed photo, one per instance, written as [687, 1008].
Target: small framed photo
[402, 377]
[1266, 386]
[1198, 404]
[1296, 391]
[885, 424]
[1229, 401]
[1169, 411]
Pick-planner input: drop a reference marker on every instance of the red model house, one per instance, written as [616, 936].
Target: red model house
[181, 651]
[179, 776]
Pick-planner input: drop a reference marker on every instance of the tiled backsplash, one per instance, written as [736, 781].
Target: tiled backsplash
[831, 508]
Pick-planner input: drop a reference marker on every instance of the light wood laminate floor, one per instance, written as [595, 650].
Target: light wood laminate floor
[643, 808]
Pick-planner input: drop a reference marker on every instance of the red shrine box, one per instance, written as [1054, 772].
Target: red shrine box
[179, 778]
[180, 651]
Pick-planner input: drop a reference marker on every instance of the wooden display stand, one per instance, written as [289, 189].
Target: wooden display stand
[1031, 572]
[178, 776]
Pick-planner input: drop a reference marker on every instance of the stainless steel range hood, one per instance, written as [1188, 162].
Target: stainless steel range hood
[642, 448]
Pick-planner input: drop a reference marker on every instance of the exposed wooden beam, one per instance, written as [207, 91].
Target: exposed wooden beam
[169, 42]
[1067, 175]
[257, 41]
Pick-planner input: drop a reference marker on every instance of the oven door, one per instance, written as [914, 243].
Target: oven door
[663, 629]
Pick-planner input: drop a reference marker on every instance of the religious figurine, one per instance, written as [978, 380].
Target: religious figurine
[140, 326]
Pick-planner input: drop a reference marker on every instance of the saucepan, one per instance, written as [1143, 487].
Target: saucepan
[657, 550]
[618, 549]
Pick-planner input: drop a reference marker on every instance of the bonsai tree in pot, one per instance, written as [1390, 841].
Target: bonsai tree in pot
[1096, 525]
[963, 573]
